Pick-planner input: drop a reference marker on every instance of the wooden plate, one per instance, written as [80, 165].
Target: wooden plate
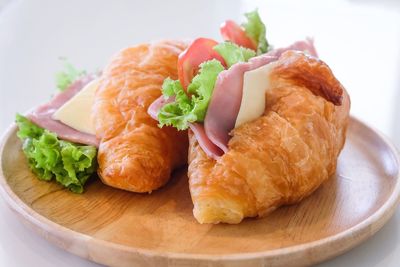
[118, 228]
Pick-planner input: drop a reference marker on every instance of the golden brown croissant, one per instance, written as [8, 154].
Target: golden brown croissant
[134, 153]
[281, 157]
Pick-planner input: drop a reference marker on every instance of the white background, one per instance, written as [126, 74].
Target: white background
[360, 40]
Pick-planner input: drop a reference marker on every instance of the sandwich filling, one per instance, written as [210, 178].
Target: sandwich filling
[221, 85]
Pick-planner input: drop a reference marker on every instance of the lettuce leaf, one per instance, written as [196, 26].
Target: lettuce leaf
[51, 158]
[185, 109]
[68, 76]
[232, 53]
[178, 113]
[255, 29]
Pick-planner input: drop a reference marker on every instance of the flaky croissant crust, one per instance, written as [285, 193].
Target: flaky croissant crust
[281, 157]
[134, 153]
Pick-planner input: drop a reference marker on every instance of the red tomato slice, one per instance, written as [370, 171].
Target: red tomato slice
[189, 60]
[230, 31]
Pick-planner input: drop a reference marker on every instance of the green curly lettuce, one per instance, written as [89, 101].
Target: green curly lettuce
[185, 109]
[255, 29]
[232, 53]
[50, 158]
[66, 77]
[178, 113]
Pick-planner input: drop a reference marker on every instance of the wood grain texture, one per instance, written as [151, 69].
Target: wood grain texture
[119, 228]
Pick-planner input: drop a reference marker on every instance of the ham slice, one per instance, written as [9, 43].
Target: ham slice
[306, 46]
[227, 95]
[155, 107]
[205, 143]
[42, 115]
[225, 102]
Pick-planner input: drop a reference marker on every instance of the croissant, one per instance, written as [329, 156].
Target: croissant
[134, 153]
[281, 157]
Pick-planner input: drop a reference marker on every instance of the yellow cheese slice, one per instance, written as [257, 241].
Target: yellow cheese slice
[255, 84]
[76, 113]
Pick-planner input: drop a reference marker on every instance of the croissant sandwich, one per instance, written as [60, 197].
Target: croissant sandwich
[270, 132]
[134, 153]
[280, 157]
[99, 122]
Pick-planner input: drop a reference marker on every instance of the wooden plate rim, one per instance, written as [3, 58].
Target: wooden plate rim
[373, 222]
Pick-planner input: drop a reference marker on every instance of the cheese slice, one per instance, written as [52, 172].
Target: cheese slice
[255, 84]
[76, 113]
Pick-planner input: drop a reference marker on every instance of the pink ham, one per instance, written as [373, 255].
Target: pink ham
[205, 143]
[42, 115]
[225, 102]
[306, 46]
[155, 107]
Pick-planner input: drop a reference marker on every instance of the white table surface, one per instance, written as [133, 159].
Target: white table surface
[360, 40]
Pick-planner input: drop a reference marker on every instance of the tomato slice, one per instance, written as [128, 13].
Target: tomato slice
[200, 50]
[231, 31]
